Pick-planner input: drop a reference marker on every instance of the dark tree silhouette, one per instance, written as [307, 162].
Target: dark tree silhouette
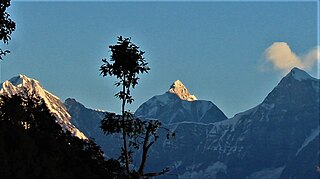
[33, 145]
[127, 62]
[7, 26]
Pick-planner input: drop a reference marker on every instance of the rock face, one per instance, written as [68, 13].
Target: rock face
[273, 133]
[304, 163]
[271, 140]
[88, 121]
[278, 138]
[27, 86]
[177, 105]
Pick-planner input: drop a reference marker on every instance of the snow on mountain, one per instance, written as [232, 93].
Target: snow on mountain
[267, 173]
[314, 133]
[25, 85]
[177, 105]
[269, 140]
[275, 139]
[280, 127]
[181, 91]
[300, 75]
[304, 165]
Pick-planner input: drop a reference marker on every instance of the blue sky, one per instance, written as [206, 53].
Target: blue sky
[217, 49]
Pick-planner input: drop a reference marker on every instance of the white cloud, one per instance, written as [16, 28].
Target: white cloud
[311, 58]
[283, 58]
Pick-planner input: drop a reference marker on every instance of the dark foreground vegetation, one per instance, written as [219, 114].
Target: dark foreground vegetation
[33, 145]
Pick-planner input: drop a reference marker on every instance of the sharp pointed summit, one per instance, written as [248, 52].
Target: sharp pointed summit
[178, 105]
[181, 91]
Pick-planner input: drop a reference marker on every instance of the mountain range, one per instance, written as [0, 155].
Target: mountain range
[278, 138]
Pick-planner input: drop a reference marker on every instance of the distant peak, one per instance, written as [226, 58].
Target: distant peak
[299, 74]
[181, 91]
[21, 79]
[70, 101]
[23, 76]
[21, 84]
[296, 69]
[177, 84]
[73, 102]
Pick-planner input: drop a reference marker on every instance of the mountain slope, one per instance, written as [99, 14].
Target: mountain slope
[88, 121]
[23, 85]
[278, 126]
[278, 138]
[177, 105]
[305, 162]
[263, 142]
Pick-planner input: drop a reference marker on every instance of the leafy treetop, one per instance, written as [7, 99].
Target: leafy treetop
[128, 62]
[7, 26]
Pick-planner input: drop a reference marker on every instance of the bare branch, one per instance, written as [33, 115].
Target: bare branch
[154, 174]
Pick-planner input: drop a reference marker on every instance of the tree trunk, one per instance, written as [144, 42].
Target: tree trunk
[124, 134]
[145, 149]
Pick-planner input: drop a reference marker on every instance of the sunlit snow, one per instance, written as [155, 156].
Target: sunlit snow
[22, 84]
[180, 90]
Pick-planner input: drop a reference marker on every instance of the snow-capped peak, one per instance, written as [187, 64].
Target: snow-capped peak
[20, 80]
[181, 91]
[299, 74]
[22, 84]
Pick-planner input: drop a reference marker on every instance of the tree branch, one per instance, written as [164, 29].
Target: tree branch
[145, 149]
[154, 174]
